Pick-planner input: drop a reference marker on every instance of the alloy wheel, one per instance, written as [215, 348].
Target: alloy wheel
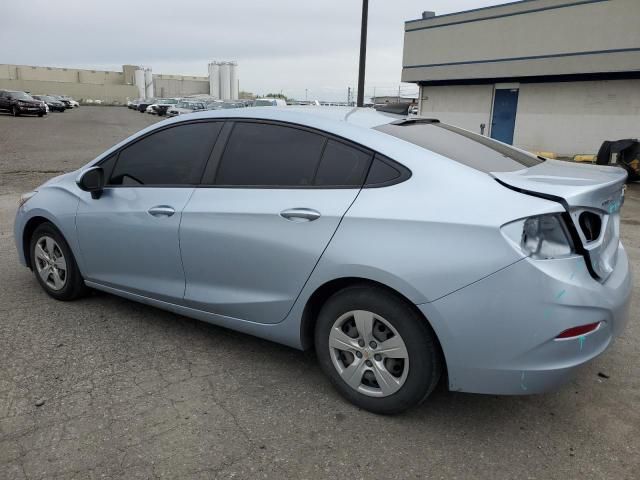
[368, 353]
[50, 263]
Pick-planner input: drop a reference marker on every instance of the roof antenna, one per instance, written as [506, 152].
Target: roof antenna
[349, 113]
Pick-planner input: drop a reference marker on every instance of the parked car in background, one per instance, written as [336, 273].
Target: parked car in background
[269, 102]
[53, 103]
[184, 106]
[20, 103]
[338, 229]
[133, 104]
[66, 103]
[143, 104]
[161, 106]
[227, 105]
[214, 105]
[68, 100]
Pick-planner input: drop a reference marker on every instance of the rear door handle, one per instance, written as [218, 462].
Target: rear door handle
[161, 211]
[300, 214]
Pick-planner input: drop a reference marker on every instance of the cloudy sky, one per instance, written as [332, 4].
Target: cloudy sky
[280, 45]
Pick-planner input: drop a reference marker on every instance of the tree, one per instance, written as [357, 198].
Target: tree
[276, 95]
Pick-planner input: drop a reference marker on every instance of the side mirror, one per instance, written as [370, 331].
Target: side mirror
[92, 180]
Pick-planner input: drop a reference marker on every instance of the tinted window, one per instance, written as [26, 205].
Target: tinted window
[471, 149]
[270, 155]
[342, 165]
[382, 172]
[174, 156]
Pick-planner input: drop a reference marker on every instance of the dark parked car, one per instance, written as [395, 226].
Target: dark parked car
[63, 100]
[20, 103]
[53, 103]
[143, 104]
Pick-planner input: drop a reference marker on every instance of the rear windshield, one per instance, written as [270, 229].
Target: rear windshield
[475, 151]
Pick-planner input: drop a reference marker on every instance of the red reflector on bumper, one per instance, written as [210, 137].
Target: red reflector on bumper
[577, 331]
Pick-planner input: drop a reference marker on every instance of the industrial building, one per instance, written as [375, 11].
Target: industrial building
[545, 75]
[116, 87]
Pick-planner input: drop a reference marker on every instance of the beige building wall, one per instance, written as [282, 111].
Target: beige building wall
[576, 117]
[524, 39]
[464, 106]
[110, 87]
[179, 85]
[109, 94]
[566, 118]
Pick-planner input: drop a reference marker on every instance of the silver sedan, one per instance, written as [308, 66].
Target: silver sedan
[404, 250]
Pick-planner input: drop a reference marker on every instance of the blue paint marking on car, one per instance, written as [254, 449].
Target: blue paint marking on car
[354, 232]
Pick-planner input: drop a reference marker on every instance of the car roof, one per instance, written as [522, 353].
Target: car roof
[307, 115]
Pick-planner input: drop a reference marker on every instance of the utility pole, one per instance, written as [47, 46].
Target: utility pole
[363, 52]
[348, 95]
[306, 94]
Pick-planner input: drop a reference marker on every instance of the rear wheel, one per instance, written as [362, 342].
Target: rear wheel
[54, 265]
[377, 350]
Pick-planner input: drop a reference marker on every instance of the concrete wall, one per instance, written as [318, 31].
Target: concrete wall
[533, 38]
[571, 118]
[464, 106]
[109, 94]
[179, 86]
[110, 87]
[567, 118]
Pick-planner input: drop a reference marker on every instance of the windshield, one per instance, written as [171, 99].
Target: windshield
[188, 105]
[167, 101]
[471, 149]
[21, 96]
[263, 103]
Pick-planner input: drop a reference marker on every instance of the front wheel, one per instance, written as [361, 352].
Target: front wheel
[54, 265]
[377, 350]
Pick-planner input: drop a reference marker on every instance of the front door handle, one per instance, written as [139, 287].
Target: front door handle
[162, 211]
[300, 214]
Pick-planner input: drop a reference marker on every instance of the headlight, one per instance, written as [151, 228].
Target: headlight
[24, 198]
[540, 237]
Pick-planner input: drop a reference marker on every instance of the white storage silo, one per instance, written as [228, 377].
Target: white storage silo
[148, 81]
[233, 78]
[214, 80]
[138, 81]
[225, 81]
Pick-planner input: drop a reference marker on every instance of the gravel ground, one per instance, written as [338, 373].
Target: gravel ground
[107, 388]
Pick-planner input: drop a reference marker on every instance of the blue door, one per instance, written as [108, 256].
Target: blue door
[505, 105]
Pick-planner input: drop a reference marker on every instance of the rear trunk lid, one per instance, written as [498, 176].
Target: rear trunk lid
[584, 190]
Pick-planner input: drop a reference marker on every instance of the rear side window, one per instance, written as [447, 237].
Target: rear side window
[342, 165]
[174, 156]
[259, 154]
[471, 149]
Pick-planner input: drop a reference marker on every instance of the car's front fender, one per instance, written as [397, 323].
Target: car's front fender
[56, 204]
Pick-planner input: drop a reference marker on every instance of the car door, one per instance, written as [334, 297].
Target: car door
[129, 236]
[276, 194]
[4, 100]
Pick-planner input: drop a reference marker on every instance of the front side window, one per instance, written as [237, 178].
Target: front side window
[259, 154]
[173, 156]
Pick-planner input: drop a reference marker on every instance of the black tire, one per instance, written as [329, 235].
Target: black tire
[14, 111]
[425, 357]
[74, 286]
[41, 114]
